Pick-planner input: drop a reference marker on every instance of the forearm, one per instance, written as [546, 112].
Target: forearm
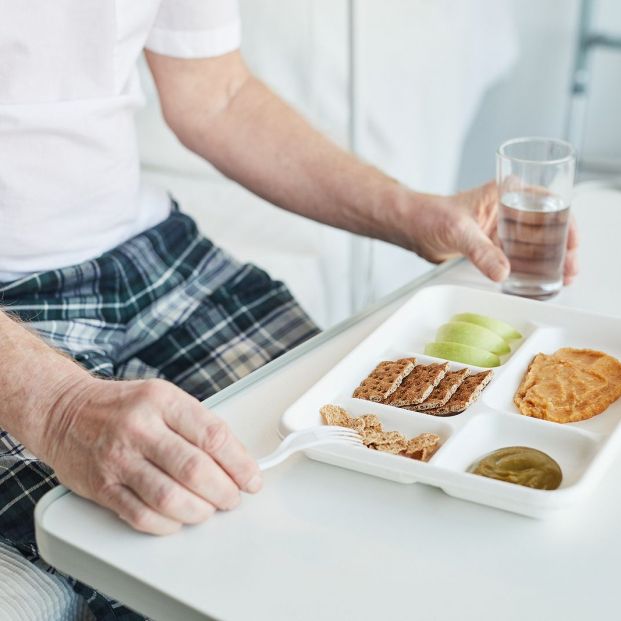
[33, 377]
[265, 145]
[220, 111]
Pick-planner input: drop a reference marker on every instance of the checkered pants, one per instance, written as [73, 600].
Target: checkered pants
[166, 304]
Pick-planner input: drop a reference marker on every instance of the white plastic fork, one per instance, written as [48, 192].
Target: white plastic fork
[307, 438]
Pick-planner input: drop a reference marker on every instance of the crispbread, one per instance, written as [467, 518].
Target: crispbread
[335, 415]
[362, 424]
[373, 436]
[422, 447]
[384, 379]
[569, 386]
[387, 441]
[371, 422]
[418, 384]
[443, 391]
[465, 395]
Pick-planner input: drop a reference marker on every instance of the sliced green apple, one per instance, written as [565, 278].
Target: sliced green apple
[507, 331]
[458, 352]
[473, 335]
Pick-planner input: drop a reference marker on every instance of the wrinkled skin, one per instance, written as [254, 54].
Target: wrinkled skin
[465, 224]
[148, 451]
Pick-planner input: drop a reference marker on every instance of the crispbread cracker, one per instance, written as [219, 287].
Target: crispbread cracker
[422, 447]
[384, 379]
[467, 393]
[373, 436]
[418, 384]
[569, 386]
[387, 441]
[368, 422]
[335, 415]
[443, 391]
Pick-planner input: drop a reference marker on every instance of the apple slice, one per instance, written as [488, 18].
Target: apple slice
[473, 335]
[458, 352]
[507, 331]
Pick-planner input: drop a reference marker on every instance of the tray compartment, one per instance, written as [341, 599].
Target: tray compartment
[500, 393]
[385, 465]
[393, 419]
[573, 449]
[392, 354]
[436, 305]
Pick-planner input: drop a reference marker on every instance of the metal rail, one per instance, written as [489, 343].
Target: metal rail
[588, 40]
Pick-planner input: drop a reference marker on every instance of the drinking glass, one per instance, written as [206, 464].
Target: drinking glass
[535, 179]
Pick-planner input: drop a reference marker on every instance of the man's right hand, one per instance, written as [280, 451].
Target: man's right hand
[147, 451]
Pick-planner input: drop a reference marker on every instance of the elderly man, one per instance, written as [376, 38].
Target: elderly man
[105, 278]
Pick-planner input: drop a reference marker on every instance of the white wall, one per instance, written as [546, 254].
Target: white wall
[533, 97]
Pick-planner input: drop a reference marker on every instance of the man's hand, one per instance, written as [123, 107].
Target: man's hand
[440, 228]
[147, 451]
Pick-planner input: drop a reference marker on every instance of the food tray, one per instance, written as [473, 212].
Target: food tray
[583, 450]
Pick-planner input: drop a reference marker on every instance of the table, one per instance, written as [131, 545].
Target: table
[325, 543]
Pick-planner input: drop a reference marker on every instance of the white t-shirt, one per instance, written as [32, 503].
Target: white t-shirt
[70, 184]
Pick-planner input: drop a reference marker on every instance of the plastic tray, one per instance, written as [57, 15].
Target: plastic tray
[583, 450]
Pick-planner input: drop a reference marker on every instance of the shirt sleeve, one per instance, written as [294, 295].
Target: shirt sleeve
[196, 28]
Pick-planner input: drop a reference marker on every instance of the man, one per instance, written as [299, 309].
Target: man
[112, 275]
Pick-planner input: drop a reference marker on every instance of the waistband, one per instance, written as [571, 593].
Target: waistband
[126, 278]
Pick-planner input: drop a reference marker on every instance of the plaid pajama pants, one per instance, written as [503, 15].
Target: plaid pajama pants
[168, 304]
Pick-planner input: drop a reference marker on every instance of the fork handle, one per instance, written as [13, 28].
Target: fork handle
[273, 459]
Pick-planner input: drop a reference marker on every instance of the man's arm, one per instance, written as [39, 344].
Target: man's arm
[223, 113]
[144, 449]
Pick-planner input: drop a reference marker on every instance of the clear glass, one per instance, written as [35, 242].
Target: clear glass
[535, 181]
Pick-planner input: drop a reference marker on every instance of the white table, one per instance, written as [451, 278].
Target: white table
[325, 543]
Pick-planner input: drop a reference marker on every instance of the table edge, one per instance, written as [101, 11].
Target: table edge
[132, 591]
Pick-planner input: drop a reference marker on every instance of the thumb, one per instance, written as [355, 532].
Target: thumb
[479, 248]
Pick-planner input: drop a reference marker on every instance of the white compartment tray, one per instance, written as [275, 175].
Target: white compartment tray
[582, 450]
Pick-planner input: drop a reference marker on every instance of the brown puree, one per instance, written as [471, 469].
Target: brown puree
[520, 465]
[569, 386]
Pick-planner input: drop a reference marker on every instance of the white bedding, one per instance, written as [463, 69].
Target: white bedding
[29, 594]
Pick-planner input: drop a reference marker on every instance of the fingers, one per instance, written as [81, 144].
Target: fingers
[572, 235]
[135, 512]
[480, 249]
[194, 469]
[164, 495]
[571, 268]
[482, 204]
[212, 435]
[571, 258]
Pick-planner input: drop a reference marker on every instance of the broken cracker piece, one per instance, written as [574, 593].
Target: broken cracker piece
[387, 441]
[422, 447]
[335, 415]
[371, 422]
[384, 379]
[369, 426]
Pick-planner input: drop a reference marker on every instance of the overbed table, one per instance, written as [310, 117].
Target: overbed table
[325, 543]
